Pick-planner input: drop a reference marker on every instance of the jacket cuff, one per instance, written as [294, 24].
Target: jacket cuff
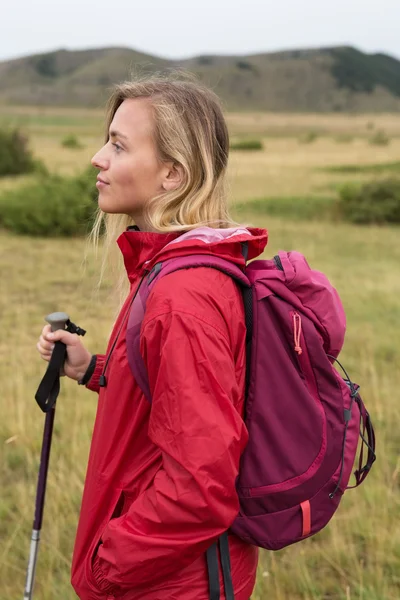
[101, 581]
[93, 382]
[89, 371]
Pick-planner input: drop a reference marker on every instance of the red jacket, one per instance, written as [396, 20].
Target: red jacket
[160, 482]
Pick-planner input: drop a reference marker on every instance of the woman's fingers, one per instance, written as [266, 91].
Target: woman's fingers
[45, 349]
[78, 357]
[45, 346]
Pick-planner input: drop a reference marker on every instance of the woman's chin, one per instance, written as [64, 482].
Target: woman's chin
[106, 206]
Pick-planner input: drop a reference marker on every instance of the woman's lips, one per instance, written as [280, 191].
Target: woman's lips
[101, 183]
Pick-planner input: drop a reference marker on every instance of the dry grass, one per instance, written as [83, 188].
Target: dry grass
[284, 167]
[329, 124]
[357, 557]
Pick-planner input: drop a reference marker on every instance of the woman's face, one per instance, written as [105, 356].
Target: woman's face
[131, 173]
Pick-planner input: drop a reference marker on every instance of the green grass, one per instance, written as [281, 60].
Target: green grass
[356, 556]
[373, 169]
[47, 120]
[290, 207]
[247, 145]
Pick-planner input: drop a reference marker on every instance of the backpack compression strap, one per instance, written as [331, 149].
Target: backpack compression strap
[213, 569]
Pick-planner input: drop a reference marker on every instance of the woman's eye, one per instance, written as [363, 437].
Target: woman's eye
[117, 147]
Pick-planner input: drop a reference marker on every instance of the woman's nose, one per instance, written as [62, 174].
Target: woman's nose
[99, 160]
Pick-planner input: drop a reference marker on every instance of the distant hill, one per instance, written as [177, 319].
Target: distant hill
[340, 79]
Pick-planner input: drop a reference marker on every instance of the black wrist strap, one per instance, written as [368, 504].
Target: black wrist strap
[89, 371]
[49, 387]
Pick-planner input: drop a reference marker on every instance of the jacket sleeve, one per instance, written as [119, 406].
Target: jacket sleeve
[93, 383]
[201, 435]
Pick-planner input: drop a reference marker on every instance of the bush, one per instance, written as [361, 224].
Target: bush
[52, 206]
[87, 182]
[71, 141]
[377, 202]
[247, 145]
[308, 138]
[15, 156]
[244, 65]
[380, 138]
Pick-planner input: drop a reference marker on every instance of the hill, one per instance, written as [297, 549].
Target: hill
[340, 79]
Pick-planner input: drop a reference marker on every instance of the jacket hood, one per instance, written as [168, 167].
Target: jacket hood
[143, 249]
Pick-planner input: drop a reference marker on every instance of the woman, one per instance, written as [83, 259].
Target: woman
[160, 483]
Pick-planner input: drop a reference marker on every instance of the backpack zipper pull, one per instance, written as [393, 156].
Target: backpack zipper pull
[297, 333]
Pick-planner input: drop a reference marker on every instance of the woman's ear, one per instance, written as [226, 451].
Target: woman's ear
[173, 178]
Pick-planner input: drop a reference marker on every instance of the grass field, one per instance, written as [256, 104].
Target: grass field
[357, 557]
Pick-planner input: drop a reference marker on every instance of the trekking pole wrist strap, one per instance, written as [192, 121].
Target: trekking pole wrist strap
[49, 387]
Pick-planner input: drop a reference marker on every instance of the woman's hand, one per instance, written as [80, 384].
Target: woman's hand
[78, 358]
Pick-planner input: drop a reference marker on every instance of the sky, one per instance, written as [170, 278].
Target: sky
[185, 28]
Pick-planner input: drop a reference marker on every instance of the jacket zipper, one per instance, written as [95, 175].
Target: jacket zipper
[102, 379]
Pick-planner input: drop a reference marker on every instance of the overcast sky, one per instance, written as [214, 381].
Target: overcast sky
[183, 28]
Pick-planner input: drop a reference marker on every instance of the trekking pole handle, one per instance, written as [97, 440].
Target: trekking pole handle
[57, 320]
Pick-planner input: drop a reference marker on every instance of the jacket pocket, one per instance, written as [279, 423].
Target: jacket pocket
[115, 510]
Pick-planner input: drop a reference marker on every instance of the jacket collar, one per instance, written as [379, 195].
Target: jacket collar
[141, 250]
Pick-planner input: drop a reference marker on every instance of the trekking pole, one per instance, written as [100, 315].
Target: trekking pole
[46, 397]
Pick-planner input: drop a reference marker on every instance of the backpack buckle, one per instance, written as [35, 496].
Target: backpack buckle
[154, 272]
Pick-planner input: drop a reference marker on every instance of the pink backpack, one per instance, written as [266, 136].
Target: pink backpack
[304, 420]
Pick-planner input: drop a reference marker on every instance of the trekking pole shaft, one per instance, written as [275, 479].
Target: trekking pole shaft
[44, 467]
[39, 505]
[40, 493]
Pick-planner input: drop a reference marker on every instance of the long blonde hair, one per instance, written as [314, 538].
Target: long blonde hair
[190, 130]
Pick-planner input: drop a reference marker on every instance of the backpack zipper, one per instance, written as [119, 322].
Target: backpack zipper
[297, 333]
[303, 358]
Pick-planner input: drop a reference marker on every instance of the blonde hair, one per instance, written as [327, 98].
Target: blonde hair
[190, 130]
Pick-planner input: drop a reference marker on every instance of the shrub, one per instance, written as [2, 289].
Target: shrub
[71, 141]
[52, 206]
[377, 202]
[15, 156]
[205, 60]
[244, 65]
[380, 138]
[247, 145]
[87, 182]
[46, 64]
[308, 138]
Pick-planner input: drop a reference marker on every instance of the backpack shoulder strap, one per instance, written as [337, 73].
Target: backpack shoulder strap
[138, 308]
[198, 260]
